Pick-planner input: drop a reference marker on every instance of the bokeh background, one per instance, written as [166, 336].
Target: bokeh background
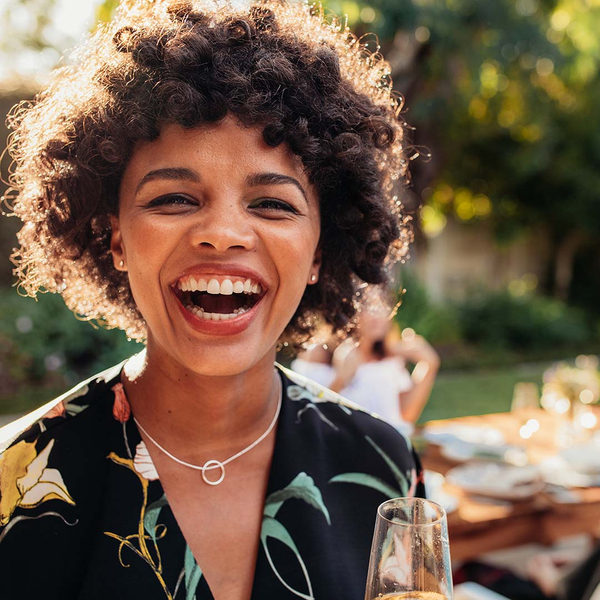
[504, 274]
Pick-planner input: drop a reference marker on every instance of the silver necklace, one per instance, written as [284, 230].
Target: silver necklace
[212, 464]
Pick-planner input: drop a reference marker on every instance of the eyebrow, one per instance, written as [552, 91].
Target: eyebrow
[274, 179]
[172, 173]
[185, 174]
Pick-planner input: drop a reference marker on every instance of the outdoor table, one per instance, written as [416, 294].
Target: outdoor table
[479, 525]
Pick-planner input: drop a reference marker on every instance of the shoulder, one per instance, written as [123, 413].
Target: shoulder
[55, 452]
[300, 388]
[63, 412]
[358, 447]
[345, 419]
[52, 475]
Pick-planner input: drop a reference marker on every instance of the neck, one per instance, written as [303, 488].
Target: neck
[365, 349]
[198, 415]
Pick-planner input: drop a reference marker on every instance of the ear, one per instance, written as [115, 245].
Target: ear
[313, 275]
[117, 248]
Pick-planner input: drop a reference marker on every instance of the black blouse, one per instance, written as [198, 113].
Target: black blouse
[83, 513]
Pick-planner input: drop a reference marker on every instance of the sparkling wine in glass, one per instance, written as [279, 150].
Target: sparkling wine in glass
[410, 555]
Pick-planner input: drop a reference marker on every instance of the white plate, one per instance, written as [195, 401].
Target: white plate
[583, 458]
[444, 434]
[459, 451]
[557, 471]
[497, 480]
[434, 488]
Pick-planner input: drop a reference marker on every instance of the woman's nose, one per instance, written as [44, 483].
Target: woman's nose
[223, 228]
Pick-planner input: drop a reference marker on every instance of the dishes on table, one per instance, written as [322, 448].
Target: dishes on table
[497, 480]
[460, 443]
[583, 458]
[471, 434]
[434, 488]
[576, 466]
[459, 451]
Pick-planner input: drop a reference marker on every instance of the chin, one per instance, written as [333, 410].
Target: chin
[218, 357]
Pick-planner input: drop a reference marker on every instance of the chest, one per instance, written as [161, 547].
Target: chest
[221, 524]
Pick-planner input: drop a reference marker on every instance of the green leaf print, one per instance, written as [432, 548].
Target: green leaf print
[367, 480]
[301, 488]
[151, 517]
[374, 482]
[272, 528]
[193, 574]
[399, 476]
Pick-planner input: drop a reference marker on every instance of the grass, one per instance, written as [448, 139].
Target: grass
[465, 393]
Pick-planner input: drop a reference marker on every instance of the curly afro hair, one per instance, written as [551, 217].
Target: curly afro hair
[284, 66]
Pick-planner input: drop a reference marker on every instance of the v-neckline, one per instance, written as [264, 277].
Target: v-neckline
[203, 590]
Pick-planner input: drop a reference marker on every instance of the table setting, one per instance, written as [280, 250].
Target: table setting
[531, 474]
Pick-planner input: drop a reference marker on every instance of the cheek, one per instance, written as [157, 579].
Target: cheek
[299, 251]
[145, 259]
[147, 240]
[294, 264]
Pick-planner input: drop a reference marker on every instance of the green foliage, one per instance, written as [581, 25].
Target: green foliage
[437, 324]
[503, 320]
[503, 93]
[43, 345]
[491, 328]
[106, 10]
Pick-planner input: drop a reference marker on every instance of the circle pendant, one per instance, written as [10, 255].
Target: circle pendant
[210, 465]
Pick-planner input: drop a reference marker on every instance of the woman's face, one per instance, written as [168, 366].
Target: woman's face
[374, 325]
[218, 232]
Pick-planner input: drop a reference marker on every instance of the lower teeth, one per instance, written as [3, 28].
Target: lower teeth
[199, 312]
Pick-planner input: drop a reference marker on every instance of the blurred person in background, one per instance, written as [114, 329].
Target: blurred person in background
[373, 371]
[316, 361]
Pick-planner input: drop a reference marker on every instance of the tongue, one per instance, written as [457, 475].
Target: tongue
[217, 303]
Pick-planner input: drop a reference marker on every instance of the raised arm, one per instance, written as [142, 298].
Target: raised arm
[415, 349]
[345, 363]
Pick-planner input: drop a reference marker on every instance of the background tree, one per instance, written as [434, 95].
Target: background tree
[505, 94]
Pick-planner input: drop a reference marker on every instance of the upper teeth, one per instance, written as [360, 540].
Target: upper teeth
[213, 286]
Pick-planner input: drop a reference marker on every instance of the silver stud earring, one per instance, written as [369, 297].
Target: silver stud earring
[313, 278]
[121, 264]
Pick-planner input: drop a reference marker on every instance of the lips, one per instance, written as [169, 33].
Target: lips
[219, 302]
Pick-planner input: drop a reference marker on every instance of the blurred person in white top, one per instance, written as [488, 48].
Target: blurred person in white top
[373, 372]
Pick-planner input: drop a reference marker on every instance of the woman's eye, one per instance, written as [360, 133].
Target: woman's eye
[271, 204]
[170, 200]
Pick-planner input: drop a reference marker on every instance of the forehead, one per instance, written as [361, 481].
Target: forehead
[375, 316]
[227, 148]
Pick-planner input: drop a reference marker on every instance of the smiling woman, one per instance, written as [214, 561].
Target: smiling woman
[229, 210]
[214, 181]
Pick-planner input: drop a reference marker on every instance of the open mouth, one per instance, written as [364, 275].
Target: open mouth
[218, 299]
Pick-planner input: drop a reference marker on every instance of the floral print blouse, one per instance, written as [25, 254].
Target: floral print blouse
[83, 514]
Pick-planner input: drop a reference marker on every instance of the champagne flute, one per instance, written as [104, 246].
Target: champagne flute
[410, 555]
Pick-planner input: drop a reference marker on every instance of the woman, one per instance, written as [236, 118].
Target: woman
[373, 374]
[193, 180]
